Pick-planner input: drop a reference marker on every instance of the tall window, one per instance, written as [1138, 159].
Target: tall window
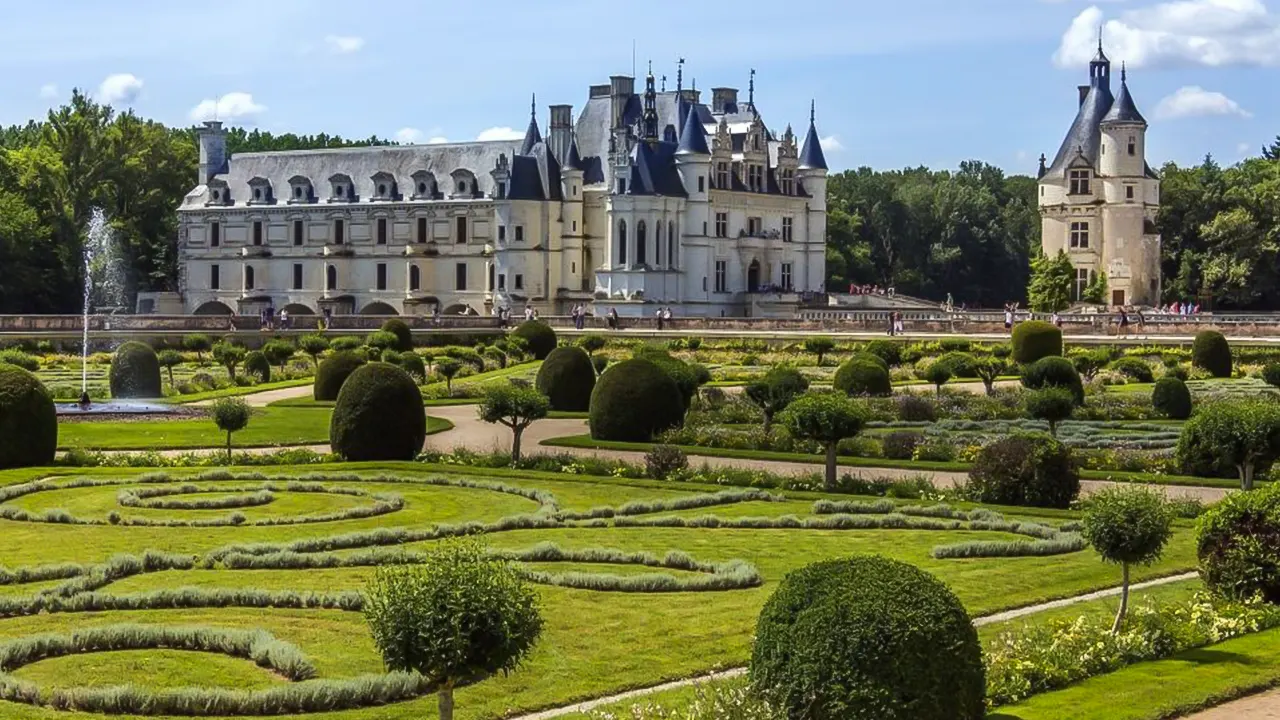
[1133, 146]
[519, 280]
[382, 231]
[642, 244]
[215, 279]
[339, 232]
[622, 243]
[753, 226]
[257, 232]
[788, 182]
[722, 225]
[702, 183]
[422, 230]
[722, 275]
[460, 276]
[502, 233]
[671, 244]
[786, 229]
[755, 178]
[502, 281]
[382, 276]
[722, 175]
[415, 278]
[215, 234]
[462, 230]
[330, 277]
[248, 277]
[1082, 282]
[297, 276]
[1079, 182]
[1079, 236]
[519, 233]
[1128, 192]
[657, 244]
[786, 275]
[297, 232]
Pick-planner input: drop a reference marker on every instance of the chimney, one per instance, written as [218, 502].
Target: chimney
[621, 88]
[1084, 93]
[724, 100]
[561, 131]
[213, 150]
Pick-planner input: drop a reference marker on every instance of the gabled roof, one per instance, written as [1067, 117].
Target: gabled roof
[1123, 109]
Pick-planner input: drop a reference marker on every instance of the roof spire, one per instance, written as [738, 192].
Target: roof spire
[664, 83]
[650, 117]
[812, 114]
[680, 75]
[532, 136]
[533, 105]
[1124, 72]
[811, 156]
[751, 90]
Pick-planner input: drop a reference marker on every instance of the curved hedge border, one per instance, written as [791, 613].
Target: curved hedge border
[152, 500]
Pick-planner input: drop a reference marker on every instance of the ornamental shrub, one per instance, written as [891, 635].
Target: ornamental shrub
[870, 357]
[1134, 369]
[278, 352]
[868, 638]
[961, 364]
[1171, 398]
[1031, 470]
[1210, 352]
[1052, 405]
[826, 418]
[539, 336]
[412, 363]
[688, 378]
[135, 372]
[887, 350]
[404, 336]
[633, 401]
[1238, 543]
[663, 461]
[382, 341]
[1231, 436]
[333, 372]
[256, 364]
[378, 416]
[198, 344]
[1035, 339]
[28, 420]
[231, 415]
[775, 391]
[860, 376]
[20, 359]
[567, 378]
[819, 346]
[1270, 374]
[346, 343]
[916, 408]
[901, 444]
[937, 374]
[1127, 526]
[1053, 372]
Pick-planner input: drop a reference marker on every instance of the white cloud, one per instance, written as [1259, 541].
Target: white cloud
[437, 140]
[120, 89]
[408, 135]
[232, 106]
[499, 133]
[831, 143]
[1214, 33]
[49, 91]
[1243, 149]
[343, 44]
[1195, 101]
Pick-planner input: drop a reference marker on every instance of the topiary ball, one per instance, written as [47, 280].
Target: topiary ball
[868, 638]
[567, 378]
[1053, 372]
[1238, 543]
[1134, 369]
[1271, 374]
[399, 328]
[1171, 398]
[333, 372]
[135, 372]
[28, 420]
[539, 336]
[1036, 339]
[961, 364]
[1029, 470]
[633, 401]
[255, 364]
[1210, 352]
[378, 416]
[887, 350]
[860, 376]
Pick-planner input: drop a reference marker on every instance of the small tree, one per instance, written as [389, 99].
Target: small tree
[1096, 291]
[826, 418]
[1244, 434]
[819, 346]
[278, 352]
[1052, 404]
[1051, 280]
[989, 370]
[229, 356]
[937, 373]
[775, 391]
[1090, 362]
[314, 345]
[169, 359]
[592, 344]
[514, 406]
[448, 368]
[1127, 526]
[231, 415]
[460, 615]
[198, 344]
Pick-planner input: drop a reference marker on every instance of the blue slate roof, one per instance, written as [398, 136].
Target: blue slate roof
[1123, 110]
[693, 139]
[653, 170]
[1085, 133]
[811, 157]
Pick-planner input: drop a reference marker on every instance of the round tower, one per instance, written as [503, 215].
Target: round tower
[1124, 133]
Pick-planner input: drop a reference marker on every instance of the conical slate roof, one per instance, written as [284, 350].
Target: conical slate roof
[811, 157]
[693, 139]
[532, 136]
[1123, 109]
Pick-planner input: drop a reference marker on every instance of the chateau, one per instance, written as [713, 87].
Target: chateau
[646, 200]
[1099, 197]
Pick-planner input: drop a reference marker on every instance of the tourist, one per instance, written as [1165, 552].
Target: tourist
[660, 319]
[1008, 317]
[898, 325]
[1056, 319]
[327, 314]
[1123, 321]
[613, 318]
[435, 314]
[284, 319]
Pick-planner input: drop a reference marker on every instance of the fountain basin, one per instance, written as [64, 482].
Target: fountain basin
[116, 407]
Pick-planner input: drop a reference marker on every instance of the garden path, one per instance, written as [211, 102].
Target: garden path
[1264, 706]
[265, 398]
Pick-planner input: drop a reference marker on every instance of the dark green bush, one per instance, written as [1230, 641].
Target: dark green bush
[1031, 470]
[633, 401]
[333, 372]
[859, 376]
[871, 358]
[887, 350]
[16, 357]
[688, 378]
[1035, 339]
[1238, 543]
[1053, 371]
[135, 372]
[950, 345]
[961, 364]
[28, 420]
[1271, 374]
[256, 364]
[1134, 369]
[567, 378]
[1210, 352]
[378, 416]
[404, 336]
[663, 461]
[868, 638]
[540, 337]
[915, 408]
[1172, 399]
[901, 444]
[412, 363]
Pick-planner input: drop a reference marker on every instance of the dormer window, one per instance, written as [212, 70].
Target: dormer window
[464, 184]
[1080, 182]
[260, 192]
[384, 186]
[788, 182]
[424, 185]
[300, 190]
[755, 178]
[722, 175]
[219, 193]
[341, 189]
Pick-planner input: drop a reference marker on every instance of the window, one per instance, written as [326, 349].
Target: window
[704, 283]
[1079, 236]
[339, 232]
[502, 281]
[657, 244]
[722, 175]
[460, 276]
[248, 277]
[519, 281]
[1128, 192]
[788, 182]
[382, 231]
[787, 229]
[215, 279]
[702, 183]
[382, 276]
[330, 277]
[502, 233]
[1133, 146]
[671, 244]
[575, 226]
[1079, 182]
[502, 191]
[704, 228]
[622, 243]
[215, 234]
[722, 225]
[298, 237]
[257, 232]
[462, 228]
[489, 280]
[415, 278]
[786, 276]
[462, 186]
[622, 186]
[753, 226]
[422, 230]
[1082, 282]
[297, 276]
[519, 233]
[755, 178]
[722, 273]
[642, 244]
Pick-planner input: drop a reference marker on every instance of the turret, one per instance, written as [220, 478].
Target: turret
[812, 169]
[1124, 133]
[213, 150]
[693, 161]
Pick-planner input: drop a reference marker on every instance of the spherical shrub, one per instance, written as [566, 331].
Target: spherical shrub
[1211, 352]
[28, 420]
[1036, 339]
[1238, 543]
[1172, 399]
[1053, 372]
[887, 350]
[961, 364]
[1270, 374]
[333, 372]
[539, 336]
[633, 401]
[135, 372]
[901, 444]
[567, 378]
[688, 378]
[404, 336]
[868, 638]
[859, 376]
[256, 364]
[1028, 470]
[1134, 369]
[378, 416]
[871, 358]
[916, 408]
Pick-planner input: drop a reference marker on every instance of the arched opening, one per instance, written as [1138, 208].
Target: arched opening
[459, 309]
[415, 278]
[622, 243]
[753, 276]
[642, 243]
[330, 277]
[657, 244]
[213, 307]
[299, 309]
[671, 244]
[378, 308]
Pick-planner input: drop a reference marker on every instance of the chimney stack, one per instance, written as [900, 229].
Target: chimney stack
[1084, 93]
[621, 88]
[561, 131]
[213, 150]
[724, 100]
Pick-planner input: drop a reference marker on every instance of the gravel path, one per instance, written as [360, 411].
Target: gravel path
[1263, 706]
[265, 398]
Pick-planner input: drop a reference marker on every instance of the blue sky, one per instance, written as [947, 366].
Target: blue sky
[911, 82]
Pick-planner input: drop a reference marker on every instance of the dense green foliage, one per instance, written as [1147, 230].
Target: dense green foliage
[135, 372]
[333, 372]
[868, 638]
[1035, 339]
[819, 346]
[1053, 371]
[540, 339]
[1134, 369]
[567, 379]
[28, 420]
[961, 364]
[775, 391]
[278, 352]
[515, 406]
[1033, 470]
[258, 366]
[231, 415]
[633, 401]
[1052, 404]
[229, 355]
[688, 377]
[827, 418]
[1271, 374]
[860, 376]
[1238, 542]
[887, 350]
[1052, 279]
[937, 373]
[1234, 435]
[378, 415]
[1211, 352]
[1172, 398]
[399, 328]
[1127, 526]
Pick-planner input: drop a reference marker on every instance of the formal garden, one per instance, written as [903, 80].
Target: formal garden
[810, 529]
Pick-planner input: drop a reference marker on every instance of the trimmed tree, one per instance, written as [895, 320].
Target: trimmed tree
[460, 615]
[826, 418]
[198, 344]
[514, 406]
[863, 376]
[634, 401]
[938, 373]
[887, 350]
[169, 359]
[257, 365]
[231, 415]
[1210, 352]
[229, 356]
[567, 379]
[1171, 398]
[989, 370]
[448, 368]
[1052, 405]
[819, 346]
[378, 416]
[540, 337]
[1244, 434]
[1127, 526]
[279, 352]
[314, 346]
[1035, 339]
[404, 336]
[1088, 363]
[28, 420]
[1029, 469]
[1053, 372]
[135, 372]
[775, 391]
